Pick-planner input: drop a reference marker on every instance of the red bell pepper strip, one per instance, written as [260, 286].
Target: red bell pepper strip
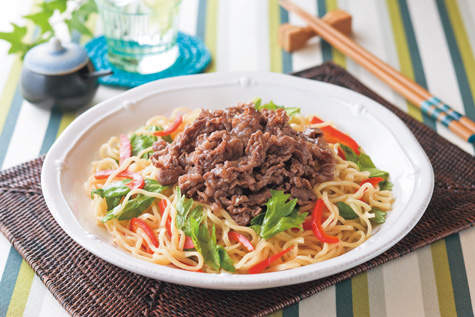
[188, 243]
[175, 124]
[341, 154]
[137, 179]
[333, 135]
[261, 266]
[373, 181]
[136, 223]
[241, 239]
[125, 150]
[317, 229]
[162, 205]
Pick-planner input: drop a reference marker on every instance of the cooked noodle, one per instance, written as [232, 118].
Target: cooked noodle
[307, 248]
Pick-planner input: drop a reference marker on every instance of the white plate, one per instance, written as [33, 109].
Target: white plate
[381, 134]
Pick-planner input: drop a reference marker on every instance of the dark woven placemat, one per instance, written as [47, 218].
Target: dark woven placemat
[88, 286]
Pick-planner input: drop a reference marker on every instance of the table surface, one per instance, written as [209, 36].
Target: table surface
[428, 40]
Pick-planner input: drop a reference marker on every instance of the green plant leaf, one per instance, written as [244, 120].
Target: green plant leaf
[15, 38]
[279, 216]
[346, 211]
[76, 23]
[41, 19]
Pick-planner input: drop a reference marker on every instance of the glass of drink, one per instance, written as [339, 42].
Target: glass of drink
[140, 34]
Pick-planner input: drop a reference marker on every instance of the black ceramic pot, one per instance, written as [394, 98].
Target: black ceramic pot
[61, 75]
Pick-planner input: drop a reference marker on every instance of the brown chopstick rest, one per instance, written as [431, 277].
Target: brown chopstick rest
[293, 38]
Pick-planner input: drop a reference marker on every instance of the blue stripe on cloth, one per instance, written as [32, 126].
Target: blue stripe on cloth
[52, 129]
[201, 20]
[416, 59]
[327, 54]
[344, 299]
[463, 302]
[10, 123]
[460, 73]
[286, 57]
[8, 281]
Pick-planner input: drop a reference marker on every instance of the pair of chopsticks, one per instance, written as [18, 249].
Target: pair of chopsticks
[416, 94]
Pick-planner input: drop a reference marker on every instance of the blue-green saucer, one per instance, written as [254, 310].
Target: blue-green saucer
[193, 58]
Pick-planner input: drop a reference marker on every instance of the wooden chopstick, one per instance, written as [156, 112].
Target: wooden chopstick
[416, 94]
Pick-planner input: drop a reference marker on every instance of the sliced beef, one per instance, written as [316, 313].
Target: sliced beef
[232, 158]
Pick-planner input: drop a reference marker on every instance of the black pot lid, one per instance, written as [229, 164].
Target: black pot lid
[56, 58]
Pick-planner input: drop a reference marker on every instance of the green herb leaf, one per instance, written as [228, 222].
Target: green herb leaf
[113, 192]
[386, 185]
[366, 164]
[185, 213]
[350, 155]
[214, 255]
[280, 216]
[136, 206]
[225, 260]
[380, 216]
[291, 111]
[142, 142]
[346, 211]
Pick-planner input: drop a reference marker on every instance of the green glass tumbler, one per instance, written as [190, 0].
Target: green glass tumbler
[140, 34]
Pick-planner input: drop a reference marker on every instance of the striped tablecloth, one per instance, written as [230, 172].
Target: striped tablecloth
[430, 41]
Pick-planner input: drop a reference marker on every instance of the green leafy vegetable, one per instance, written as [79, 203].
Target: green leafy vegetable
[142, 142]
[366, 164]
[225, 260]
[279, 216]
[291, 111]
[380, 216]
[215, 256]
[349, 154]
[185, 213]
[136, 206]
[346, 211]
[113, 192]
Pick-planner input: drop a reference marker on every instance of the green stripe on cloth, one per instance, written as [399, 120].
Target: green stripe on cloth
[456, 39]
[21, 291]
[360, 294]
[402, 51]
[443, 279]
[9, 279]
[458, 273]
[416, 60]
[274, 50]
[338, 57]
[210, 32]
[65, 121]
[344, 299]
